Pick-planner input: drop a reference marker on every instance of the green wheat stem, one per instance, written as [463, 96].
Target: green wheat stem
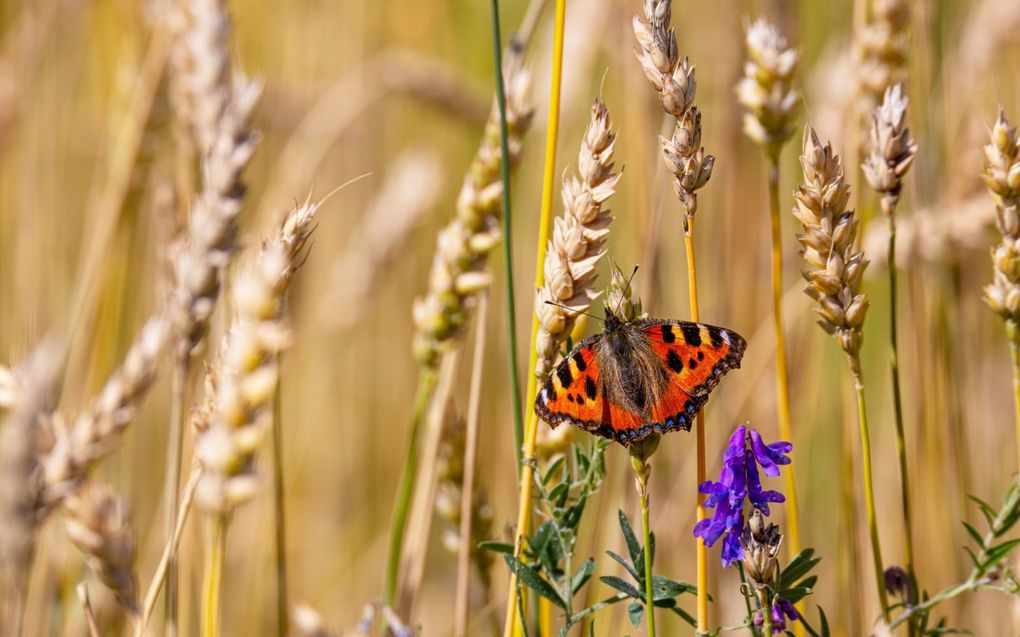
[889, 208]
[1014, 351]
[639, 454]
[426, 384]
[278, 510]
[504, 165]
[869, 491]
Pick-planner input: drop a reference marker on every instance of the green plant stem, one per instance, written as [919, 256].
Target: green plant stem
[278, 510]
[212, 580]
[171, 491]
[889, 208]
[508, 266]
[426, 384]
[745, 588]
[639, 461]
[1014, 349]
[869, 492]
[766, 621]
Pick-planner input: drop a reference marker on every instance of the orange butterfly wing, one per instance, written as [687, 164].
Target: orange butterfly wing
[572, 393]
[695, 356]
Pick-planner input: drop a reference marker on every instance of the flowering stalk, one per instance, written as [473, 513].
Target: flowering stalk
[766, 91]
[673, 79]
[751, 545]
[640, 452]
[1002, 176]
[569, 270]
[891, 153]
[834, 269]
[459, 272]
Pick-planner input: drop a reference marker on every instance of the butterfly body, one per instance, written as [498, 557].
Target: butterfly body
[640, 377]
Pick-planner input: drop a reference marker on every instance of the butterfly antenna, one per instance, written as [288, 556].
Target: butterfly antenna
[626, 291]
[566, 307]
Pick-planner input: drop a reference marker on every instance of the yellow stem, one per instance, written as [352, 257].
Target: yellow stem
[531, 430]
[212, 581]
[792, 538]
[702, 550]
[869, 492]
[1014, 348]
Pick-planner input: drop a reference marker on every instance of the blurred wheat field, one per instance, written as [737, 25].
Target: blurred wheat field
[99, 177]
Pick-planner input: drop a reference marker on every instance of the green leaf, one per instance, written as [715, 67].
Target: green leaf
[986, 509]
[626, 564]
[530, 577]
[633, 547]
[684, 615]
[798, 567]
[497, 547]
[635, 612]
[583, 575]
[556, 464]
[972, 556]
[540, 539]
[665, 588]
[825, 622]
[978, 539]
[621, 585]
[558, 495]
[998, 553]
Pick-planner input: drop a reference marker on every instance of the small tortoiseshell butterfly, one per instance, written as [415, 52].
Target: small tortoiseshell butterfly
[639, 377]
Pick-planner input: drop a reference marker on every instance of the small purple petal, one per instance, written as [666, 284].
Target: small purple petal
[731, 549]
[760, 498]
[769, 456]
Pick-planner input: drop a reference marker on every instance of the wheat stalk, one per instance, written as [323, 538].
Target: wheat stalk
[460, 265]
[577, 242]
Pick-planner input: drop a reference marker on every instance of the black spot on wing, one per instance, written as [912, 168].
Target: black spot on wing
[579, 361]
[563, 373]
[667, 334]
[691, 363]
[715, 333]
[674, 361]
[692, 333]
[590, 389]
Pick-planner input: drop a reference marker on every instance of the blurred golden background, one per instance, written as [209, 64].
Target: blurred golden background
[401, 90]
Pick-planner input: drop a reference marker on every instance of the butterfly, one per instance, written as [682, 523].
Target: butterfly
[640, 377]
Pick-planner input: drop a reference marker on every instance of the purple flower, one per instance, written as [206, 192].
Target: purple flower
[782, 610]
[739, 480]
[768, 456]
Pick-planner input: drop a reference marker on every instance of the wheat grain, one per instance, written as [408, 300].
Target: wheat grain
[74, 448]
[1002, 176]
[246, 368]
[460, 265]
[98, 524]
[834, 267]
[30, 389]
[880, 50]
[674, 80]
[577, 240]
[766, 90]
[891, 150]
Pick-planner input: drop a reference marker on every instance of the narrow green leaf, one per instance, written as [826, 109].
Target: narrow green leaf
[621, 585]
[583, 575]
[986, 509]
[497, 547]
[633, 547]
[665, 588]
[978, 539]
[798, 567]
[626, 564]
[684, 615]
[556, 464]
[998, 552]
[531, 578]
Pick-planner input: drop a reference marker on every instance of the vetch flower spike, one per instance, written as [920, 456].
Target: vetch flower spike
[739, 481]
